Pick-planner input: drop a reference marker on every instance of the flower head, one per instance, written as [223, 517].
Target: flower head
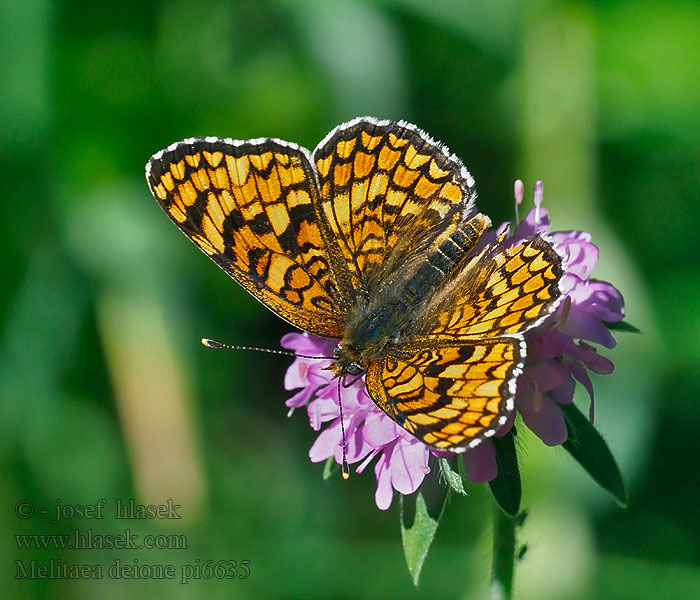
[403, 460]
[559, 354]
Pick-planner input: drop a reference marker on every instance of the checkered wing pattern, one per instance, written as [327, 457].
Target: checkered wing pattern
[250, 206]
[453, 383]
[388, 191]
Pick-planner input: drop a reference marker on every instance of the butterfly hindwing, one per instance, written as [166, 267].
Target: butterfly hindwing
[449, 397]
[453, 383]
[250, 206]
[502, 292]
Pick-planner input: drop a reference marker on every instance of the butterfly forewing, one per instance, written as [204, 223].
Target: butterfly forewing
[250, 206]
[386, 189]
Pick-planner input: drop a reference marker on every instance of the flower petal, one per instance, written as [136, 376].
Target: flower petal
[408, 465]
[543, 416]
[379, 429]
[301, 398]
[547, 375]
[480, 462]
[322, 410]
[564, 393]
[582, 255]
[326, 443]
[357, 447]
[385, 492]
[296, 375]
[583, 326]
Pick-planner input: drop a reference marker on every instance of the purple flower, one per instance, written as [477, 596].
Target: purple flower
[558, 352]
[403, 460]
[309, 375]
[558, 356]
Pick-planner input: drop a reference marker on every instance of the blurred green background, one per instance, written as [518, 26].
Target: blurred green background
[107, 393]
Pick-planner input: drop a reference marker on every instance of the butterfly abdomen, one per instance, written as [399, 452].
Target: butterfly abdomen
[441, 264]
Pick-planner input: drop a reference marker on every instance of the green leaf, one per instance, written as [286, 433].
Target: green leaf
[506, 488]
[420, 516]
[452, 477]
[589, 449]
[330, 467]
[621, 326]
[462, 468]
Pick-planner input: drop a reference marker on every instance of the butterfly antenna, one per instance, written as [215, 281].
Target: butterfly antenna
[345, 469]
[221, 346]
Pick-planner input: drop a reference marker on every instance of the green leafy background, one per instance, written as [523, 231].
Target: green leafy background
[107, 393]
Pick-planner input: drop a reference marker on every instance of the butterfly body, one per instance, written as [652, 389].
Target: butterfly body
[368, 239]
[374, 331]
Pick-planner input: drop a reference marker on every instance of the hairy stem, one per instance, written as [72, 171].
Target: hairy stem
[501, 585]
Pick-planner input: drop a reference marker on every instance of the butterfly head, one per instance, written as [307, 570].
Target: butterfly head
[347, 360]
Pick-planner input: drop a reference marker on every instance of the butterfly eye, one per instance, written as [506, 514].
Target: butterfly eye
[354, 369]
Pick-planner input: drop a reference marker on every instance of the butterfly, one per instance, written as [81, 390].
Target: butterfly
[373, 239]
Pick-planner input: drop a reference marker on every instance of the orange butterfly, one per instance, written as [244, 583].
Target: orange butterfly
[370, 239]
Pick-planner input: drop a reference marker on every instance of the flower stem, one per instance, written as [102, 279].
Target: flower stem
[501, 585]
